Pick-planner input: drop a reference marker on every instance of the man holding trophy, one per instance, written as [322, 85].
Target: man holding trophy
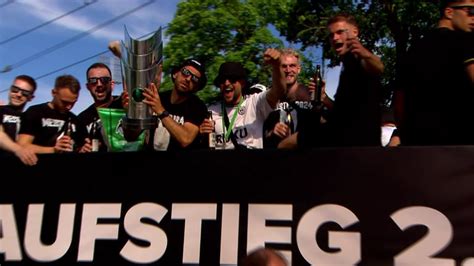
[172, 117]
[179, 110]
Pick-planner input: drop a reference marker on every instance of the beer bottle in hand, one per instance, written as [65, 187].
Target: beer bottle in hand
[69, 132]
[316, 94]
[94, 135]
[212, 135]
[285, 118]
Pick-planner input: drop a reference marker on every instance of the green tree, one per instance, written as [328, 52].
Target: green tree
[388, 27]
[216, 31]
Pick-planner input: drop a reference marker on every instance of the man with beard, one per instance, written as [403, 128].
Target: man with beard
[21, 91]
[100, 85]
[239, 118]
[180, 111]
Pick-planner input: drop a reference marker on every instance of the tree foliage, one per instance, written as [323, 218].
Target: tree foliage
[216, 31]
[387, 27]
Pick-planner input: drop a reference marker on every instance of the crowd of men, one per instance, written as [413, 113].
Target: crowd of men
[434, 100]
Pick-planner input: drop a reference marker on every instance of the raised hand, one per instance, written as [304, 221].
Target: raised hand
[271, 56]
[356, 48]
[152, 98]
[114, 47]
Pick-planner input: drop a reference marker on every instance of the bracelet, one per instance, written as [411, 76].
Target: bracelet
[163, 114]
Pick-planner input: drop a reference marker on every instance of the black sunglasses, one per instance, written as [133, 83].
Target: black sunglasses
[469, 9]
[186, 72]
[16, 89]
[103, 80]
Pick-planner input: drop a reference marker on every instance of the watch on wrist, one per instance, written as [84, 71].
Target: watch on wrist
[163, 114]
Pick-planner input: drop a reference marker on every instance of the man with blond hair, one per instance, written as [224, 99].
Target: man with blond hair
[295, 109]
[355, 116]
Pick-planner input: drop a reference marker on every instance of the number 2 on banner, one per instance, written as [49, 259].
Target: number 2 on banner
[438, 237]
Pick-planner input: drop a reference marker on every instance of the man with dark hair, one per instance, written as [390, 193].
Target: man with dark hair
[437, 68]
[21, 91]
[355, 116]
[43, 126]
[100, 85]
[239, 118]
[180, 111]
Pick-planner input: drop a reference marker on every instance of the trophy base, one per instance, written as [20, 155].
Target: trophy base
[132, 128]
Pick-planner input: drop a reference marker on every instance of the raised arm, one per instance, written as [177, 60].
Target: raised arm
[278, 89]
[185, 133]
[370, 62]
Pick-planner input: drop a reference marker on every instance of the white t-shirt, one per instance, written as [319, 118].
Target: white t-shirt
[248, 125]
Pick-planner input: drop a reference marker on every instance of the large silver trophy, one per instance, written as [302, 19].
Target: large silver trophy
[140, 60]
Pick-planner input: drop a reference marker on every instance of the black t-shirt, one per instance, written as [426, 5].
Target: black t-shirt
[90, 116]
[356, 114]
[192, 110]
[10, 120]
[300, 115]
[47, 124]
[439, 95]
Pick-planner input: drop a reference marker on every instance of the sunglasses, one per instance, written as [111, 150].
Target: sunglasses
[188, 73]
[103, 80]
[24, 92]
[468, 9]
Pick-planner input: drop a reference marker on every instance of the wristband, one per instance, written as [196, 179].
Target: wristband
[164, 114]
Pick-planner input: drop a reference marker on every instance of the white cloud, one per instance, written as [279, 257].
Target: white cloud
[26, 14]
[96, 14]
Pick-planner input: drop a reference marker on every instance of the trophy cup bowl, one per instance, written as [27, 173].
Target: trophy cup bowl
[139, 63]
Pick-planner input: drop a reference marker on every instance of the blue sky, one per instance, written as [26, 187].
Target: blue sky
[22, 15]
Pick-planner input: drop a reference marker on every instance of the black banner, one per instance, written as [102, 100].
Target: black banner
[355, 206]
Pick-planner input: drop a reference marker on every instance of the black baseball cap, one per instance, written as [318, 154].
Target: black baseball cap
[197, 65]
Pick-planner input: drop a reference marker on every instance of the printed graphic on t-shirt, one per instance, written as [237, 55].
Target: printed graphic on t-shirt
[11, 119]
[161, 139]
[305, 105]
[239, 133]
[51, 122]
